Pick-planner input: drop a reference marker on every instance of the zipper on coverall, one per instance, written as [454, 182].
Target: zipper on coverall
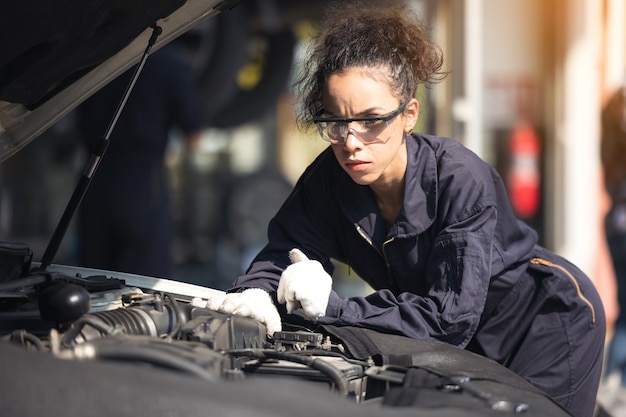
[540, 261]
[383, 253]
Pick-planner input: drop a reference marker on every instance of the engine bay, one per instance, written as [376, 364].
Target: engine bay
[77, 316]
[100, 317]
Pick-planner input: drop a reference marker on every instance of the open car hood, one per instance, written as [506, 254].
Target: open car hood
[62, 52]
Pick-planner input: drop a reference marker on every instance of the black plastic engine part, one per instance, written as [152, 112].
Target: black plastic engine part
[63, 302]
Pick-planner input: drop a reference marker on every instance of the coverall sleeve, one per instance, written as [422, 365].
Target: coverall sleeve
[300, 223]
[458, 276]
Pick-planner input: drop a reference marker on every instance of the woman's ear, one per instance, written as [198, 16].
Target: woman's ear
[410, 115]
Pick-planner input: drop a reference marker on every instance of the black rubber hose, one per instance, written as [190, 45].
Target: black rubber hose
[26, 339]
[177, 317]
[335, 375]
[28, 281]
[69, 337]
[151, 356]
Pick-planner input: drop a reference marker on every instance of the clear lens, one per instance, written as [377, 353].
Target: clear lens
[365, 131]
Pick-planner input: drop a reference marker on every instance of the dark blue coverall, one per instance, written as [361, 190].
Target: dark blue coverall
[456, 267]
[125, 221]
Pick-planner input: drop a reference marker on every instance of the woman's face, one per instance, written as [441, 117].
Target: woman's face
[364, 92]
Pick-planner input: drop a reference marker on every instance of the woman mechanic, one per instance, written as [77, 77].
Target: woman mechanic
[424, 221]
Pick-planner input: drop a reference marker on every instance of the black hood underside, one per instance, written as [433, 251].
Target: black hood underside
[53, 43]
[55, 54]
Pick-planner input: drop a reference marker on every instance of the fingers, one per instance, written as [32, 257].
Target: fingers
[280, 292]
[292, 305]
[261, 307]
[314, 309]
[215, 302]
[254, 303]
[296, 255]
[198, 302]
[285, 295]
[232, 302]
[273, 323]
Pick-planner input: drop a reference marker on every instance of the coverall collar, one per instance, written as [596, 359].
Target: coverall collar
[420, 196]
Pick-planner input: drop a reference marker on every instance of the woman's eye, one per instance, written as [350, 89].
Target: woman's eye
[370, 123]
[336, 128]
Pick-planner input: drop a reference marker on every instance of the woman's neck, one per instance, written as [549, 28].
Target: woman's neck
[389, 198]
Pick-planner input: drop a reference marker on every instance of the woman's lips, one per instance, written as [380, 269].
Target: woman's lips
[356, 165]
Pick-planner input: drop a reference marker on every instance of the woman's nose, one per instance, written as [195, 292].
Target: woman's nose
[352, 141]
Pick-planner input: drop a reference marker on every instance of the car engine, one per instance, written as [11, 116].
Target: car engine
[100, 317]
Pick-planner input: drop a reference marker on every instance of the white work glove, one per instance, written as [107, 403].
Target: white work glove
[305, 284]
[254, 303]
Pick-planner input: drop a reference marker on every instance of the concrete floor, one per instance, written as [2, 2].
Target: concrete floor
[612, 397]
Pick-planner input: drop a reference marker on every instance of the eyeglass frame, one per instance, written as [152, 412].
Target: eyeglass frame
[384, 118]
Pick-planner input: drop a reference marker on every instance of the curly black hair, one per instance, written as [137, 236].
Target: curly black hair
[361, 34]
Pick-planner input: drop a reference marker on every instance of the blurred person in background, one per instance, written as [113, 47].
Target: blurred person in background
[613, 154]
[423, 220]
[125, 220]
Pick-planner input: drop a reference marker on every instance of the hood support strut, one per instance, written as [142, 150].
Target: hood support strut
[94, 161]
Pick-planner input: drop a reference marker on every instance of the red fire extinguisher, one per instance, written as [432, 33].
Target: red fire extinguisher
[524, 179]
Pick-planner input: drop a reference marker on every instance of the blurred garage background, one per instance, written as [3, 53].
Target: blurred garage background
[528, 79]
